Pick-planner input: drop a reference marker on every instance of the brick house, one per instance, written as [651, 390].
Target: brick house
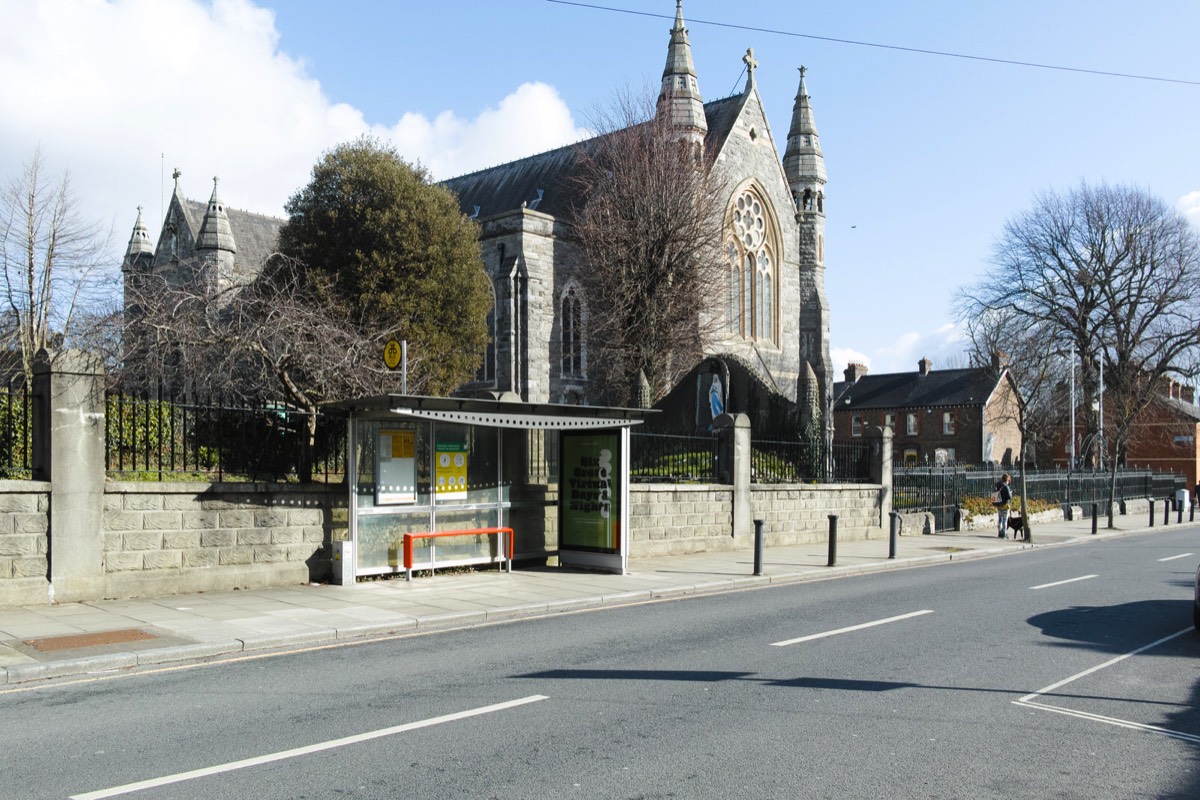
[1163, 437]
[967, 416]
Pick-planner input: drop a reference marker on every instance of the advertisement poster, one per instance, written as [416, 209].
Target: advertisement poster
[450, 471]
[590, 496]
[397, 468]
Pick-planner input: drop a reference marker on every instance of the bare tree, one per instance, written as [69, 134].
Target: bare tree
[650, 226]
[1115, 272]
[242, 340]
[1006, 342]
[53, 260]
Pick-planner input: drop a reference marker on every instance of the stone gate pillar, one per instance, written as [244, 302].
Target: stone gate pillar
[881, 469]
[68, 451]
[735, 460]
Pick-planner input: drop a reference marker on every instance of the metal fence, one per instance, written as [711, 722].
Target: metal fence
[669, 458]
[942, 490]
[152, 437]
[797, 461]
[660, 457]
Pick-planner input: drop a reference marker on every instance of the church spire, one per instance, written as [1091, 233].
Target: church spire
[680, 97]
[139, 242]
[215, 233]
[803, 162]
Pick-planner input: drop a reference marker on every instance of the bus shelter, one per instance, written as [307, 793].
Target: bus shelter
[437, 481]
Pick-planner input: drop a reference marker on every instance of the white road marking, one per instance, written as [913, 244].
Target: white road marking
[129, 788]
[1099, 667]
[851, 628]
[1060, 583]
[1172, 558]
[1028, 700]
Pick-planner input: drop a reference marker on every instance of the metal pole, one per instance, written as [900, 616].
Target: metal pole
[404, 367]
[1167, 510]
[832, 540]
[758, 547]
[1095, 509]
[1179, 512]
[1151, 512]
[895, 534]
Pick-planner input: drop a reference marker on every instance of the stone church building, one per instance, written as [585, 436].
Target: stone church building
[772, 360]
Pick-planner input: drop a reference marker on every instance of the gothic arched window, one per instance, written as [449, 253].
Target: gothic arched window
[572, 320]
[751, 283]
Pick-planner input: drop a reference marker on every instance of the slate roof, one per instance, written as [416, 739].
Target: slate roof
[1182, 407]
[256, 235]
[899, 390]
[503, 188]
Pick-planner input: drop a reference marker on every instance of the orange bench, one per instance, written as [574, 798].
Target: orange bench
[506, 545]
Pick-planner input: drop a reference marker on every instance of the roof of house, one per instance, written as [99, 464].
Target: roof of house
[936, 388]
[543, 182]
[1182, 407]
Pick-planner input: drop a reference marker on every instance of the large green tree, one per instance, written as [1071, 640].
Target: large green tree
[390, 250]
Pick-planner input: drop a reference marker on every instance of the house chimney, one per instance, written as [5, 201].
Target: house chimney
[924, 366]
[854, 371]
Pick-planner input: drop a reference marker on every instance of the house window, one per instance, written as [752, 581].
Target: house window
[910, 424]
[910, 456]
[751, 285]
[948, 423]
[856, 425]
[889, 421]
[572, 321]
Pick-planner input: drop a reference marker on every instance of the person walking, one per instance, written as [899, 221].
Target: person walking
[1000, 499]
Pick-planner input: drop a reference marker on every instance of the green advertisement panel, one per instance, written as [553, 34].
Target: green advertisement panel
[590, 494]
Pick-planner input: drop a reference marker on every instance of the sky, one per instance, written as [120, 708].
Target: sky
[928, 155]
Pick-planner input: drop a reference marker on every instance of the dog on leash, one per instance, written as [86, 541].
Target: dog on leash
[1017, 525]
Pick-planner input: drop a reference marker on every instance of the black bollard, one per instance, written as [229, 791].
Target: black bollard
[758, 547]
[1151, 512]
[1192, 513]
[1167, 511]
[1094, 520]
[895, 534]
[1178, 512]
[832, 540]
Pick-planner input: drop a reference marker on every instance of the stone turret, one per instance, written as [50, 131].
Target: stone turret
[680, 97]
[139, 249]
[803, 162]
[804, 167]
[215, 246]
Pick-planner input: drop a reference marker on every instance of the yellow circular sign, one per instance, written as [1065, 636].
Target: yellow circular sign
[391, 354]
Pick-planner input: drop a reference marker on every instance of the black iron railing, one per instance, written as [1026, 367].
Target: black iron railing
[155, 437]
[662, 457]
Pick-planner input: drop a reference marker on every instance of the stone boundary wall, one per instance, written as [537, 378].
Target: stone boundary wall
[166, 538]
[799, 513]
[24, 542]
[675, 519]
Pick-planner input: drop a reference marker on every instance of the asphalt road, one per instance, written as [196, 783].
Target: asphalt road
[1065, 672]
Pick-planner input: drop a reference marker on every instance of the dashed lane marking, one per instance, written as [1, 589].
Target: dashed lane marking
[180, 777]
[851, 628]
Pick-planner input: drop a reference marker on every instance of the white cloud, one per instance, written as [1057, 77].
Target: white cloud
[1189, 204]
[944, 346]
[842, 356]
[122, 92]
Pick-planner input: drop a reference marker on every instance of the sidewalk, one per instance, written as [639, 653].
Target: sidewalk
[41, 642]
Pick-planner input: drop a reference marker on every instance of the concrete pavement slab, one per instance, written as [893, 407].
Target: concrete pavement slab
[204, 626]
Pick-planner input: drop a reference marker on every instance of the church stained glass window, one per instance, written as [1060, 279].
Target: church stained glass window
[750, 284]
[572, 322]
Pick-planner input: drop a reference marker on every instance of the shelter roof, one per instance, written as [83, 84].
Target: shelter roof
[493, 413]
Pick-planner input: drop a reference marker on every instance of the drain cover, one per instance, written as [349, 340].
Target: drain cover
[73, 641]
